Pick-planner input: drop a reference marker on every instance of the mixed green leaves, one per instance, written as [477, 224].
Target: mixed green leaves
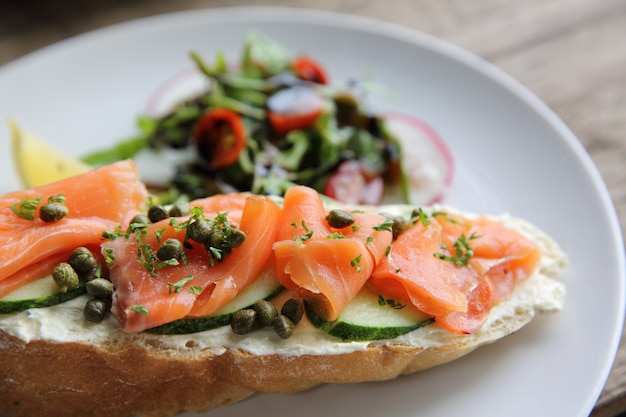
[271, 162]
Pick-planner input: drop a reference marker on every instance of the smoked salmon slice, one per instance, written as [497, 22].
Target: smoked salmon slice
[31, 273]
[198, 286]
[326, 266]
[97, 200]
[456, 268]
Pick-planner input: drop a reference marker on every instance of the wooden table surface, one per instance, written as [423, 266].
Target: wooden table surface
[570, 53]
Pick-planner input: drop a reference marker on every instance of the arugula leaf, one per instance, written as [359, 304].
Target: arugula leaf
[291, 158]
[262, 56]
[123, 150]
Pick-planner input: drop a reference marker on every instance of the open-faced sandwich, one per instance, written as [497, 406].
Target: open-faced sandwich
[106, 297]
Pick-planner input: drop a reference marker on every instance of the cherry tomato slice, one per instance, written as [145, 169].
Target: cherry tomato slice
[294, 108]
[353, 183]
[308, 69]
[220, 136]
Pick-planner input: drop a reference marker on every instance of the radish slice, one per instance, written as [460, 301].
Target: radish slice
[426, 160]
[178, 88]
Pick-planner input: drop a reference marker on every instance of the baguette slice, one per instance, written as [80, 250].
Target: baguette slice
[53, 363]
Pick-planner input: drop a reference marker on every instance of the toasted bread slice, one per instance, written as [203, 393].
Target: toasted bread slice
[53, 363]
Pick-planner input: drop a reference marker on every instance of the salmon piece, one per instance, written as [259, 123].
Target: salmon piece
[259, 221]
[324, 265]
[111, 192]
[422, 268]
[233, 203]
[39, 270]
[97, 200]
[200, 287]
[31, 273]
[430, 284]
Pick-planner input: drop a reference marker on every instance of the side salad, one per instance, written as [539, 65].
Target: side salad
[270, 121]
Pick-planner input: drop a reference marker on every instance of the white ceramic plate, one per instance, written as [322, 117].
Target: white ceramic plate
[512, 155]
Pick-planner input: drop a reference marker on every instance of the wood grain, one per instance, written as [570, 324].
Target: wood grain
[570, 53]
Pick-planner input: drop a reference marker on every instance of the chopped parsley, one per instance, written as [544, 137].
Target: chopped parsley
[195, 289]
[114, 234]
[387, 226]
[109, 258]
[382, 301]
[336, 235]
[159, 234]
[140, 309]
[59, 198]
[355, 263]
[446, 216]
[26, 208]
[196, 214]
[177, 287]
[422, 217]
[304, 237]
[167, 262]
[145, 255]
[462, 249]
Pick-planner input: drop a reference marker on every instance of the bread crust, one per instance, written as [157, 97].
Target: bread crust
[48, 379]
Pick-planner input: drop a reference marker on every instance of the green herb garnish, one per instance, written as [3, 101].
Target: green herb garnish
[140, 309]
[382, 301]
[422, 217]
[109, 258]
[355, 263]
[26, 208]
[386, 226]
[195, 290]
[336, 235]
[177, 287]
[463, 251]
[306, 236]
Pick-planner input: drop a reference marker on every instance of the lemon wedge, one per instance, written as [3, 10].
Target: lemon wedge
[38, 162]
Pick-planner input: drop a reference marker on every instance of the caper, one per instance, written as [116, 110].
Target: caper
[52, 212]
[157, 213]
[200, 230]
[140, 219]
[399, 226]
[339, 219]
[65, 276]
[82, 260]
[217, 252]
[95, 310]
[266, 312]
[243, 321]
[283, 326]
[179, 209]
[170, 249]
[216, 240]
[100, 288]
[236, 238]
[292, 309]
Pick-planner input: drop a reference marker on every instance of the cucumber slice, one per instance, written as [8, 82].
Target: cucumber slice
[369, 316]
[265, 287]
[41, 293]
